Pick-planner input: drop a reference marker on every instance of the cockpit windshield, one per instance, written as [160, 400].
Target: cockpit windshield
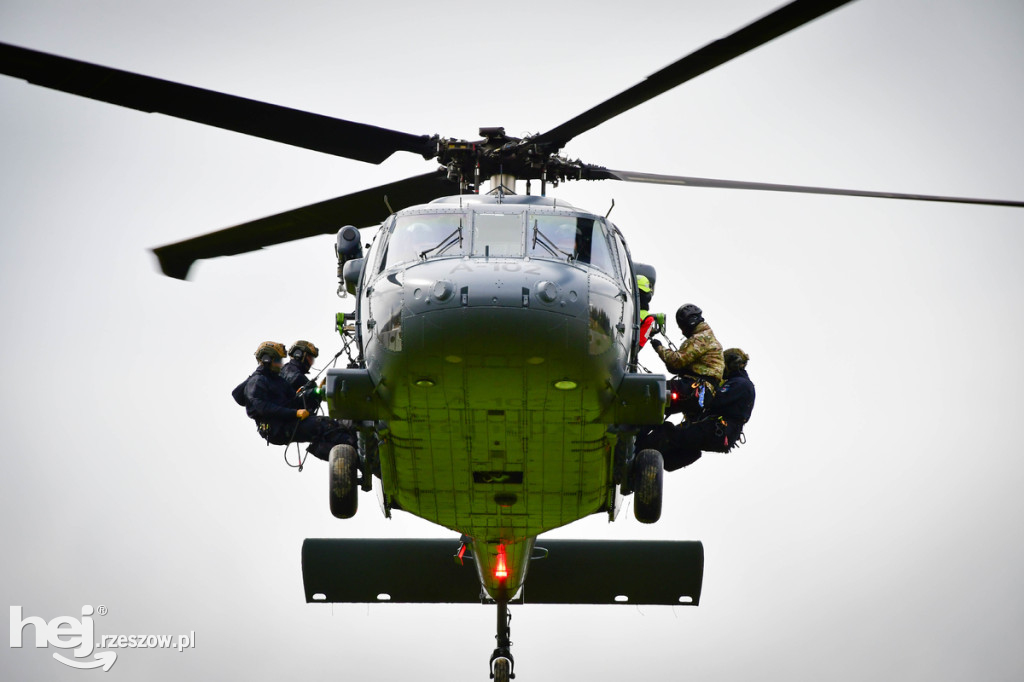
[566, 237]
[498, 235]
[418, 237]
[552, 236]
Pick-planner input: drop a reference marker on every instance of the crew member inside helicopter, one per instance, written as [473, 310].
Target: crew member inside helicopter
[564, 237]
[650, 323]
[280, 418]
[698, 363]
[720, 430]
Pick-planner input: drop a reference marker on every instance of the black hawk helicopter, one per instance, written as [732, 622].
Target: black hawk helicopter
[497, 387]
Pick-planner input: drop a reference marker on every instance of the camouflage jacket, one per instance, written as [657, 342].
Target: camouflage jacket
[699, 354]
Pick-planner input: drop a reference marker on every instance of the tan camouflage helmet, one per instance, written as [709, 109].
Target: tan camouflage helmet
[270, 348]
[735, 358]
[303, 347]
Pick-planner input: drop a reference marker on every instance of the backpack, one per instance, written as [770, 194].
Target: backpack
[239, 393]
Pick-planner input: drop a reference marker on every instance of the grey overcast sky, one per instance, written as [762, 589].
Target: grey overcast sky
[869, 529]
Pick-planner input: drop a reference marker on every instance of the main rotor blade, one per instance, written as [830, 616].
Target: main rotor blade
[153, 95]
[595, 173]
[326, 217]
[767, 28]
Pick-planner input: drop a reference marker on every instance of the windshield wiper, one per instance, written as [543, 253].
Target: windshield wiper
[446, 243]
[548, 244]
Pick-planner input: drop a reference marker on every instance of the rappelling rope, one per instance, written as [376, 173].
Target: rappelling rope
[346, 347]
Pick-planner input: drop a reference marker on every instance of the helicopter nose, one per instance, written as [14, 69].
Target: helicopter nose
[553, 287]
[513, 313]
[512, 335]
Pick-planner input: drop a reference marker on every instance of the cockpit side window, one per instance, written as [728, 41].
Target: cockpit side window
[378, 247]
[619, 245]
[600, 253]
[420, 237]
[498, 235]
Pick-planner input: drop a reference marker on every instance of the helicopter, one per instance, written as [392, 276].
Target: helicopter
[403, 348]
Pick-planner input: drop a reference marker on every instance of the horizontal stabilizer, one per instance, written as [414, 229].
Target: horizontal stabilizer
[604, 571]
[572, 572]
[407, 571]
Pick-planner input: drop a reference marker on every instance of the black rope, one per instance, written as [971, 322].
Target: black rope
[333, 360]
[298, 450]
[302, 459]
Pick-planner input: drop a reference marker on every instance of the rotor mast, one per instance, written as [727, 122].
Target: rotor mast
[502, 183]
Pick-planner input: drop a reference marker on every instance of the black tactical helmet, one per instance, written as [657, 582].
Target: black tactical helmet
[688, 317]
[270, 352]
[300, 348]
[735, 359]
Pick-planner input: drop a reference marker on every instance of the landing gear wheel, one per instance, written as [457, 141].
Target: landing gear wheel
[502, 668]
[648, 476]
[343, 468]
[501, 664]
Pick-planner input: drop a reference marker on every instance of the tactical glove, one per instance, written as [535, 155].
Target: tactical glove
[301, 414]
[656, 343]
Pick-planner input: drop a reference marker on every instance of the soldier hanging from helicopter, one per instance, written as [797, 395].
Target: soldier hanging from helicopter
[721, 427]
[698, 363]
[296, 373]
[278, 411]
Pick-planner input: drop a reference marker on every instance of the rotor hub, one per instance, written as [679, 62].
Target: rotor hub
[497, 154]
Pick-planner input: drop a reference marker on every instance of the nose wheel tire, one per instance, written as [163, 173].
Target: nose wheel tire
[502, 669]
[501, 663]
[343, 468]
[648, 476]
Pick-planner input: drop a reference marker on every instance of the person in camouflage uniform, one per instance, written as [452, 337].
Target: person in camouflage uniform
[698, 362]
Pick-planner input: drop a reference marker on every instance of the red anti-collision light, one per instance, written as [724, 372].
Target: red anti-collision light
[500, 567]
[675, 396]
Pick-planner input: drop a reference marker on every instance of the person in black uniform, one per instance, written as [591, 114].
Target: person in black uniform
[295, 371]
[280, 417]
[735, 399]
[719, 431]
